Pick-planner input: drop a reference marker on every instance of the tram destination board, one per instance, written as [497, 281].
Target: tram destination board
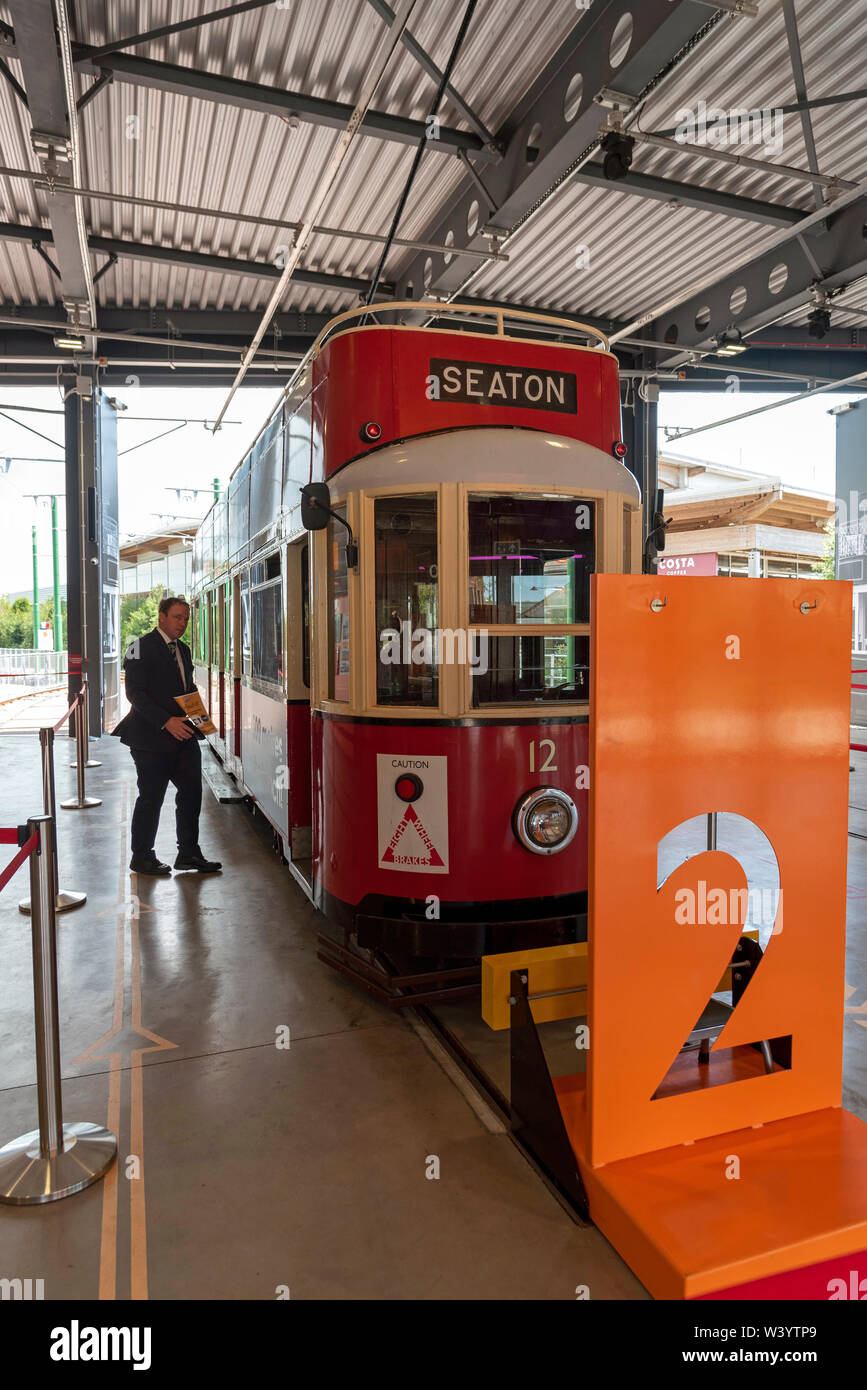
[494, 383]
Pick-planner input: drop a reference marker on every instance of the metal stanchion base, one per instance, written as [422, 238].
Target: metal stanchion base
[91, 762]
[64, 902]
[77, 805]
[26, 1178]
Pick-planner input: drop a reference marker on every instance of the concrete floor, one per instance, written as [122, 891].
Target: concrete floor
[261, 1167]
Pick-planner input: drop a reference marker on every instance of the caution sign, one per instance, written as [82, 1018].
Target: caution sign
[413, 834]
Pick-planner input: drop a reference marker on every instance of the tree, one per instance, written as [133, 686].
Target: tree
[16, 623]
[140, 615]
[825, 567]
[46, 615]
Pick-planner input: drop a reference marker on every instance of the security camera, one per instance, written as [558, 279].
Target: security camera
[616, 155]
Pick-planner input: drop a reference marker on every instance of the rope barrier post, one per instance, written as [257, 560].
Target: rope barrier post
[65, 899]
[82, 801]
[88, 760]
[56, 1159]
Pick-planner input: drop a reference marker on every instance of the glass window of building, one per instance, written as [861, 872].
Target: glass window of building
[405, 537]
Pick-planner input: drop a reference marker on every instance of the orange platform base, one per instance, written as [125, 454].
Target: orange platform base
[687, 1230]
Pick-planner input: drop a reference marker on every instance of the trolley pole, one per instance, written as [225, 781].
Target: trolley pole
[54, 1160]
[55, 557]
[35, 594]
[64, 899]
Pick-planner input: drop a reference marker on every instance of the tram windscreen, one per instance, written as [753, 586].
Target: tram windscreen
[531, 559]
[406, 600]
[519, 670]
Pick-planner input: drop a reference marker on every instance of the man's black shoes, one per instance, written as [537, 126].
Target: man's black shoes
[197, 861]
[148, 864]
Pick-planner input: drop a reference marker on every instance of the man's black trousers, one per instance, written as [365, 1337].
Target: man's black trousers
[183, 768]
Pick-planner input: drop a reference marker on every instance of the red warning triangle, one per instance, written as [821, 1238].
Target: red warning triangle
[433, 861]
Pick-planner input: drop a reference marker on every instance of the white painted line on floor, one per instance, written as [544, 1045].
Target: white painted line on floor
[489, 1118]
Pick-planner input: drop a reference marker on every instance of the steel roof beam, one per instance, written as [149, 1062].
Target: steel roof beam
[427, 63]
[195, 23]
[198, 260]
[272, 101]
[770, 286]
[556, 126]
[199, 322]
[691, 195]
[227, 265]
[797, 62]
[42, 48]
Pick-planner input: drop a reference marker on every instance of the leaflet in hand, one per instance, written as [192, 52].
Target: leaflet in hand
[194, 710]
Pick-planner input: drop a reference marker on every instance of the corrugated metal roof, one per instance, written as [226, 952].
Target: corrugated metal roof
[205, 153]
[642, 252]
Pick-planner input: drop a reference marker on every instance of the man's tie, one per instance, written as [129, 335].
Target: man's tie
[173, 648]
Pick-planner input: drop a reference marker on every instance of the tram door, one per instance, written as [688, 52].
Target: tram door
[222, 657]
[228, 671]
[298, 699]
[236, 668]
[216, 644]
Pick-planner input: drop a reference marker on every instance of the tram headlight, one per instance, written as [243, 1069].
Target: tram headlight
[545, 820]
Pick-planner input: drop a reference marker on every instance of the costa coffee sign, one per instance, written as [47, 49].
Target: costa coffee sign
[687, 564]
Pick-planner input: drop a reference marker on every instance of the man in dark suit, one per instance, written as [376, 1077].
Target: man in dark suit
[164, 745]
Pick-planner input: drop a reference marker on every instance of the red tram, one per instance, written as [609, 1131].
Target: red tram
[396, 658]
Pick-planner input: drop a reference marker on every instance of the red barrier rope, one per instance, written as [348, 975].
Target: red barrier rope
[859, 747]
[63, 718]
[22, 675]
[24, 853]
[9, 837]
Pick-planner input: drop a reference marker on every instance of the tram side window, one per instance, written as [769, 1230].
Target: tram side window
[266, 607]
[406, 600]
[245, 623]
[338, 610]
[203, 630]
[305, 615]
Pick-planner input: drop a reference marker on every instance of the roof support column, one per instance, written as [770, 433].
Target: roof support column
[92, 578]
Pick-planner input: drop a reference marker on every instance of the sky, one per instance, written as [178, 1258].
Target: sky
[191, 457]
[795, 443]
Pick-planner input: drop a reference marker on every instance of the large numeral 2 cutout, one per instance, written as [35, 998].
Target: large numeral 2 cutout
[749, 956]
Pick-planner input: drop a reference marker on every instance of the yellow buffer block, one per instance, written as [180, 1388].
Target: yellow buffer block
[549, 969]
